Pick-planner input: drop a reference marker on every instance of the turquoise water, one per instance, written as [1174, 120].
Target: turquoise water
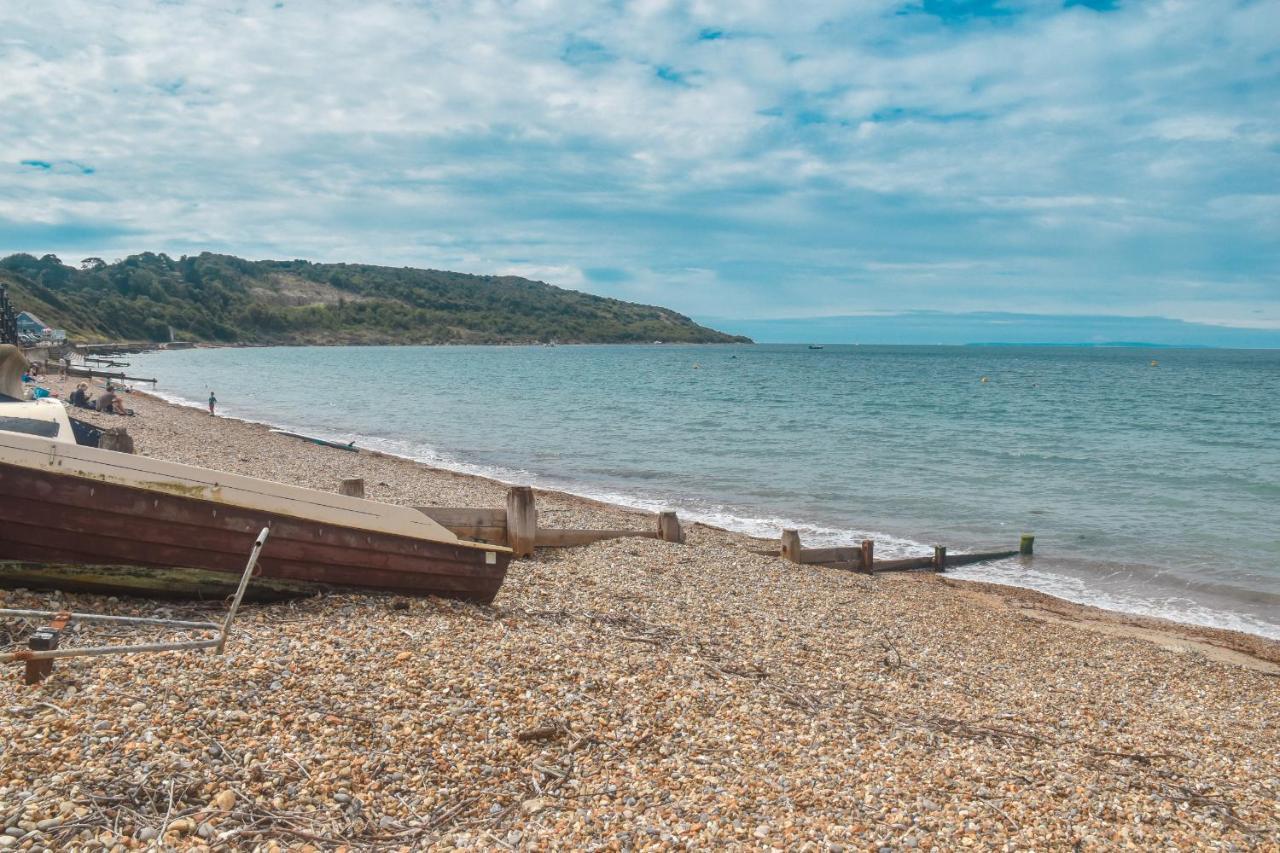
[1152, 489]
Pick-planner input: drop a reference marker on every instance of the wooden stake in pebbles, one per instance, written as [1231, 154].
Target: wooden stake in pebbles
[522, 521]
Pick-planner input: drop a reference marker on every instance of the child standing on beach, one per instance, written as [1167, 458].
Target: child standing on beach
[213, 401]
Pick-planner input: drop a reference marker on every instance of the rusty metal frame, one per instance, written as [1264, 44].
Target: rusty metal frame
[42, 647]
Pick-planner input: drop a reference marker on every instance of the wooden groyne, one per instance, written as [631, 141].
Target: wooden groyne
[516, 525]
[89, 373]
[861, 557]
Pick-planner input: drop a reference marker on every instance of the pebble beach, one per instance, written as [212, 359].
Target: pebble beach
[632, 694]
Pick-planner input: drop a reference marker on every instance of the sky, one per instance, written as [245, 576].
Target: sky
[743, 161]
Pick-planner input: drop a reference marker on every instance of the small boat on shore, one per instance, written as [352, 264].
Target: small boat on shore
[78, 517]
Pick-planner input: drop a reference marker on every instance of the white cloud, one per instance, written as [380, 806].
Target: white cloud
[803, 156]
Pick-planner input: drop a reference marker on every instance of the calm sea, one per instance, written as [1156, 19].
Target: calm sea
[1151, 487]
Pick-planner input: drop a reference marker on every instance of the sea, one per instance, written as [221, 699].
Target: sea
[1149, 477]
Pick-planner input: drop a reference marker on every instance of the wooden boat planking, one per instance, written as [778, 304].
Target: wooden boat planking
[72, 520]
[146, 581]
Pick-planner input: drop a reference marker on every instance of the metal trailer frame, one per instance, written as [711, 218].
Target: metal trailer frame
[42, 647]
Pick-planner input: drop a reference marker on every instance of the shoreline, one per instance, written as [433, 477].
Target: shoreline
[631, 694]
[1182, 634]
[1223, 644]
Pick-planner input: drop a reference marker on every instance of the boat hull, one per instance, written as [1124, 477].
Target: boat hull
[97, 530]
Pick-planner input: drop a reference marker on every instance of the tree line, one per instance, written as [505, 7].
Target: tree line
[225, 299]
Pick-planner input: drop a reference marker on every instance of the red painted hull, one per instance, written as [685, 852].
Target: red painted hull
[61, 519]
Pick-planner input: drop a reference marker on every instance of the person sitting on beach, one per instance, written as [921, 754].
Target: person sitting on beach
[110, 403]
[80, 397]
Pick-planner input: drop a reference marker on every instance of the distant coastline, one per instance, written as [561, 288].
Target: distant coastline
[1097, 345]
[223, 299]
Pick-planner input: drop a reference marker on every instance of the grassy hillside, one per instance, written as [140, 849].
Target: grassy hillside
[219, 298]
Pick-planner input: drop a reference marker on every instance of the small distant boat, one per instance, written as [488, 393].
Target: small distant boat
[79, 517]
[816, 346]
[338, 445]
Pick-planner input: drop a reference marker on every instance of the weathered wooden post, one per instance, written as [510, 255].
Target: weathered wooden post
[939, 558]
[522, 521]
[1025, 546]
[352, 487]
[868, 556]
[669, 527]
[43, 640]
[791, 545]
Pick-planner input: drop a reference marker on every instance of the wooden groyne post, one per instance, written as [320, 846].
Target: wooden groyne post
[669, 529]
[791, 545]
[522, 521]
[1027, 543]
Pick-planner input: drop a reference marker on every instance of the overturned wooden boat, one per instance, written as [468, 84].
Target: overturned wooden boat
[76, 517]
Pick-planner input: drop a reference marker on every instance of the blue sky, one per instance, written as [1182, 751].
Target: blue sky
[747, 161]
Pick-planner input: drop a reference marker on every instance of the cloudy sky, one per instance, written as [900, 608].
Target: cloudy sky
[742, 159]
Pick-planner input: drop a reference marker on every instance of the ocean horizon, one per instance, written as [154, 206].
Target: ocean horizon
[1144, 473]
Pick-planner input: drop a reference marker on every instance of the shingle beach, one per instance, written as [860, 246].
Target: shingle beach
[633, 694]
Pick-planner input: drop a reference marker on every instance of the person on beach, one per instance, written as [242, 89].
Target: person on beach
[213, 401]
[109, 403]
[80, 397]
[112, 403]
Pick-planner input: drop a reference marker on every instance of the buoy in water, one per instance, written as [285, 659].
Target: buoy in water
[1155, 363]
[984, 380]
